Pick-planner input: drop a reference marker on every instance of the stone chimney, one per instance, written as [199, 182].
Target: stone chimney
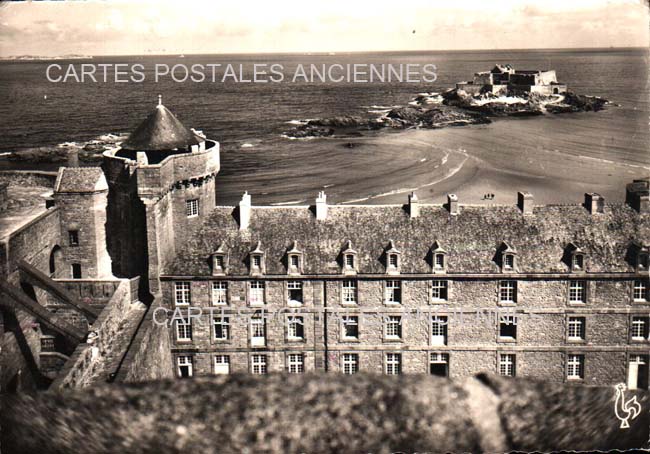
[637, 195]
[414, 205]
[245, 211]
[73, 158]
[321, 206]
[452, 202]
[525, 202]
[594, 203]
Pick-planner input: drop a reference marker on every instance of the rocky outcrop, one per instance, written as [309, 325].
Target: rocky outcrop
[322, 413]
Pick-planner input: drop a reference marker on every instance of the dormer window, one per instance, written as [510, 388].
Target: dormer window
[578, 262]
[392, 259]
[508, 258]
[438, 258]
[219, 262]
[642, 261]
[575, 258]
[256, 259]
[294, 260]
[348, 259]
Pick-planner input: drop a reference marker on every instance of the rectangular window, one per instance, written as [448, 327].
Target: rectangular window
[294, 289]
[575, 367]
[76, 271]
[508, 327]
[440, 262]
[192, 208]
[295, 327]
[439, 364]
[393, 292]
[256, 293]
[349, 261]
[183, 330]
[258, 332]
[392, 260]
[394, 327]
[508, 292]
[221, 328]
[577, 328]
[349, 292]
[350, 363]
[257, 261]
[219, 293]
[639, 328]
[73, 235]
[295, 261]
[295, 363]
[439, 330]
[219, 263]
[184, 366]
[439, 290]
[258, 364]
[577, 291]
[640, 290]
[507, 365]
[182, 293]
[222, 365]
[350, 326]
[393, 363]
[578, 262]
[509, 261]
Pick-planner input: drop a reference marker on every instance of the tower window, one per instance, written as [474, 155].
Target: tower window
[192, 208]
[73, 236]
[76, 271]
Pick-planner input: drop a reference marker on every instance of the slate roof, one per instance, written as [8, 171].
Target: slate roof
[471, 238]
[161, 130]
[80, 179]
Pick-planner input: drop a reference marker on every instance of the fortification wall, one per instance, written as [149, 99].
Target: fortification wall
[28, 178]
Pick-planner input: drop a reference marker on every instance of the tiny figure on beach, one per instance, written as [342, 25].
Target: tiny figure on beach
[488, 196]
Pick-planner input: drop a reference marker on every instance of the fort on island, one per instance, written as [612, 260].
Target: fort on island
[94, 280]
[504, 79]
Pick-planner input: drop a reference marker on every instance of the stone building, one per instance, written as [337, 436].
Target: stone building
[504, 79]
[557, 292]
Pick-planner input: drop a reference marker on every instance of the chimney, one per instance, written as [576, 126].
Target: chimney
[414, 205]
[525, 202]
[245, 211]
[637, 195]
[141, 158]
[594, 203]
[73, 158]
[452, 201]
[321, 206]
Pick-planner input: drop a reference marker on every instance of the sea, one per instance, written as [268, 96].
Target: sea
[558, 156]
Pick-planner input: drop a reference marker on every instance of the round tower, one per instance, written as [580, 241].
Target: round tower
[161, 186]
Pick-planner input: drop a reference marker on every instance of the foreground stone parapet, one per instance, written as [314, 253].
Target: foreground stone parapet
[323, 413]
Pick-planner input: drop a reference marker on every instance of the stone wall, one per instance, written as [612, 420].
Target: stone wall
[28, 178]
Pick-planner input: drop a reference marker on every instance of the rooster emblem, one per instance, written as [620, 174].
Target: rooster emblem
[625, 410]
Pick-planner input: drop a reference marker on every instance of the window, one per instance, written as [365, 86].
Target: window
[508, 292]
[222, 365]
[508, 262]
[221, 328]
[439, 290]
[76, 271]
[393, 292]
[640, 290]
[576, 328]
[258, 364]
[192, 208]
[350, 327]
[439, 262]
[639, 328]
[218, 263]
[73, 236]
[507, 327]
[575, 367]
[184, 330]
[256, 293]
[393, 363]
[642, 261]
[439, 364]
[349, 261]
[184, 366]
[182, 293]
[219, 293]
[295, 327]
[294, 289]
[507, 365]
[295, 363]
[578, 262]
[350, 363]
[257, 261]
[394, 327]
[258, 332]
[393, 261]
[295, 261]
[349, 292]
[577, 292]
[439, 330]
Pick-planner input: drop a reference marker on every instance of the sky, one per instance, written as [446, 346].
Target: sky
[246, 26]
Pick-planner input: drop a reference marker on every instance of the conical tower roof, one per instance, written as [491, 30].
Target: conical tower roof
[161, 130]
